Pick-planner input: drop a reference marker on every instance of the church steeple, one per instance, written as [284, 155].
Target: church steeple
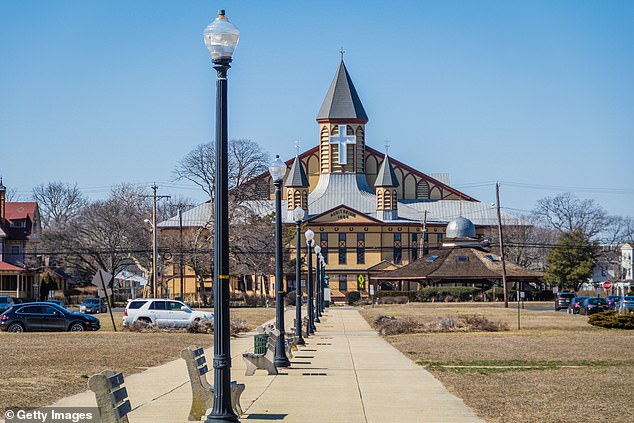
[386, 194]
[342, 120]
[296, 189]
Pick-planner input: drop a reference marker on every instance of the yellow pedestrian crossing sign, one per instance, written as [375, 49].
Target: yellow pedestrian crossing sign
[361, 283]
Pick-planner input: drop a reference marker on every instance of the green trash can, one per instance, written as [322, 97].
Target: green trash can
[259, 343]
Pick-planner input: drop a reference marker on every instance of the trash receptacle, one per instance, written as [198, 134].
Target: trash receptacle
[259, 343]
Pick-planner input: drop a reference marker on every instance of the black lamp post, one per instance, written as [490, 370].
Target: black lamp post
[221, 38]
[317, 283]
[298, 215]
[277, 169]
[310, 326]
[322, 288]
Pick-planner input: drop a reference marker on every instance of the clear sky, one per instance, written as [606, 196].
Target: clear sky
[538, 95]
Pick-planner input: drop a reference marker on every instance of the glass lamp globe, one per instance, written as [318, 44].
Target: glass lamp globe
[221, 37]
[317, 250]
[309, 236]
[298, 214]
[277, 169]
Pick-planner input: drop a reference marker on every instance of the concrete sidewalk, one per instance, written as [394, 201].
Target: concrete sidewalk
[346, 373]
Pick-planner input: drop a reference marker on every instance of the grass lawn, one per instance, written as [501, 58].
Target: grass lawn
[40, 368]
[557, 368]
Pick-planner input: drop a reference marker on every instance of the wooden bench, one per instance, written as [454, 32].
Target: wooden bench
[264, 361]
[290, 342]
[111, 395]
[202, 391]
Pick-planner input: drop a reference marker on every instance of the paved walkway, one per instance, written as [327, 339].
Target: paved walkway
[346, 373]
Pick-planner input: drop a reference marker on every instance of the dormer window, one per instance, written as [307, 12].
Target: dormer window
[18, 223]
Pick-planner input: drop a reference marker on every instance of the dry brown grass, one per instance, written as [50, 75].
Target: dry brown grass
[542, 389]
[40, 368]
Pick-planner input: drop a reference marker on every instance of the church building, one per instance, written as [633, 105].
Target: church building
[370, 212]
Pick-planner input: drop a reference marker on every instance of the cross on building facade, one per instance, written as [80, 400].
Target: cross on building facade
[342, 140]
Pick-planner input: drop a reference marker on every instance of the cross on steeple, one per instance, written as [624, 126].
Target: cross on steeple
[342, 51]
[387, 146]
[297, 146]
[342, 140]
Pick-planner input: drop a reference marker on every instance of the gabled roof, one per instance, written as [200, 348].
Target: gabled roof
[364, 216]
[342, 101]
[19, 210]
[297, 176]
[386, 176]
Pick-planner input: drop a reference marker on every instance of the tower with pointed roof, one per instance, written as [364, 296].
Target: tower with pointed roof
[342, 120]
[386, 193]
[296, 189]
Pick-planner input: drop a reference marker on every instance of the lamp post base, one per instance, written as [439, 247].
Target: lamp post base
[282, 362]
[229, 418]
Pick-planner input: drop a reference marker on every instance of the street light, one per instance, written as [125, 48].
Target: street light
[154, 257]
[310, 326]
[321, 285]
[277, 169]
[298, 215]
[317, 283]
[221, 39]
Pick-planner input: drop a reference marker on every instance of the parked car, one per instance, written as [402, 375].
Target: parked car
[58, 302]
[563, 300]
[626, 304]
[162, 312]
[45, 316]
[93, 305]
[613, 301]
[575, 303]
[593, 305]
[5, 303]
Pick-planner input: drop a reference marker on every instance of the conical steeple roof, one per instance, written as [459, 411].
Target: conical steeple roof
[386, 176]
[342, 101]
[297, 176]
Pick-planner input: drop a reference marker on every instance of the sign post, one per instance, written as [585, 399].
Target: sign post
[99, 280]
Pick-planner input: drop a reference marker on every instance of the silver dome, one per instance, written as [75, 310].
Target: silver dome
[460, 228]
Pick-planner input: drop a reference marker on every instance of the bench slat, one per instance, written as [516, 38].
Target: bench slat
[119, 395]
[115, 381]
[123, 409]
[203, 370]
[198, 352]
[200, 361]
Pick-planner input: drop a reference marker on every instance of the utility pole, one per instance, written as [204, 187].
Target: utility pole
[497, 202]
[155, 240]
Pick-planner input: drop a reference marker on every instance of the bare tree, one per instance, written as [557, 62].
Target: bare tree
[59, 203]
[106, 235]
[246, 160]
[566, 213]
[525, 243]
[199, 167]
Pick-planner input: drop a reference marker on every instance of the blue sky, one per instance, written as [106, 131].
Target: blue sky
[538, 95]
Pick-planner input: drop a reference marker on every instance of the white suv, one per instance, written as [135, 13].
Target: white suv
[162, 312]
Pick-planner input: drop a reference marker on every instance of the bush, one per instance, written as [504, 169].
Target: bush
[387, 325]
[482, 324]
[353, 297]
[612, 320]
[254, 300]
[207, 326]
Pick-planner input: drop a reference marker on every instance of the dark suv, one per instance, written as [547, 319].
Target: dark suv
[563, 300]
[45, 317]
[5, 303]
